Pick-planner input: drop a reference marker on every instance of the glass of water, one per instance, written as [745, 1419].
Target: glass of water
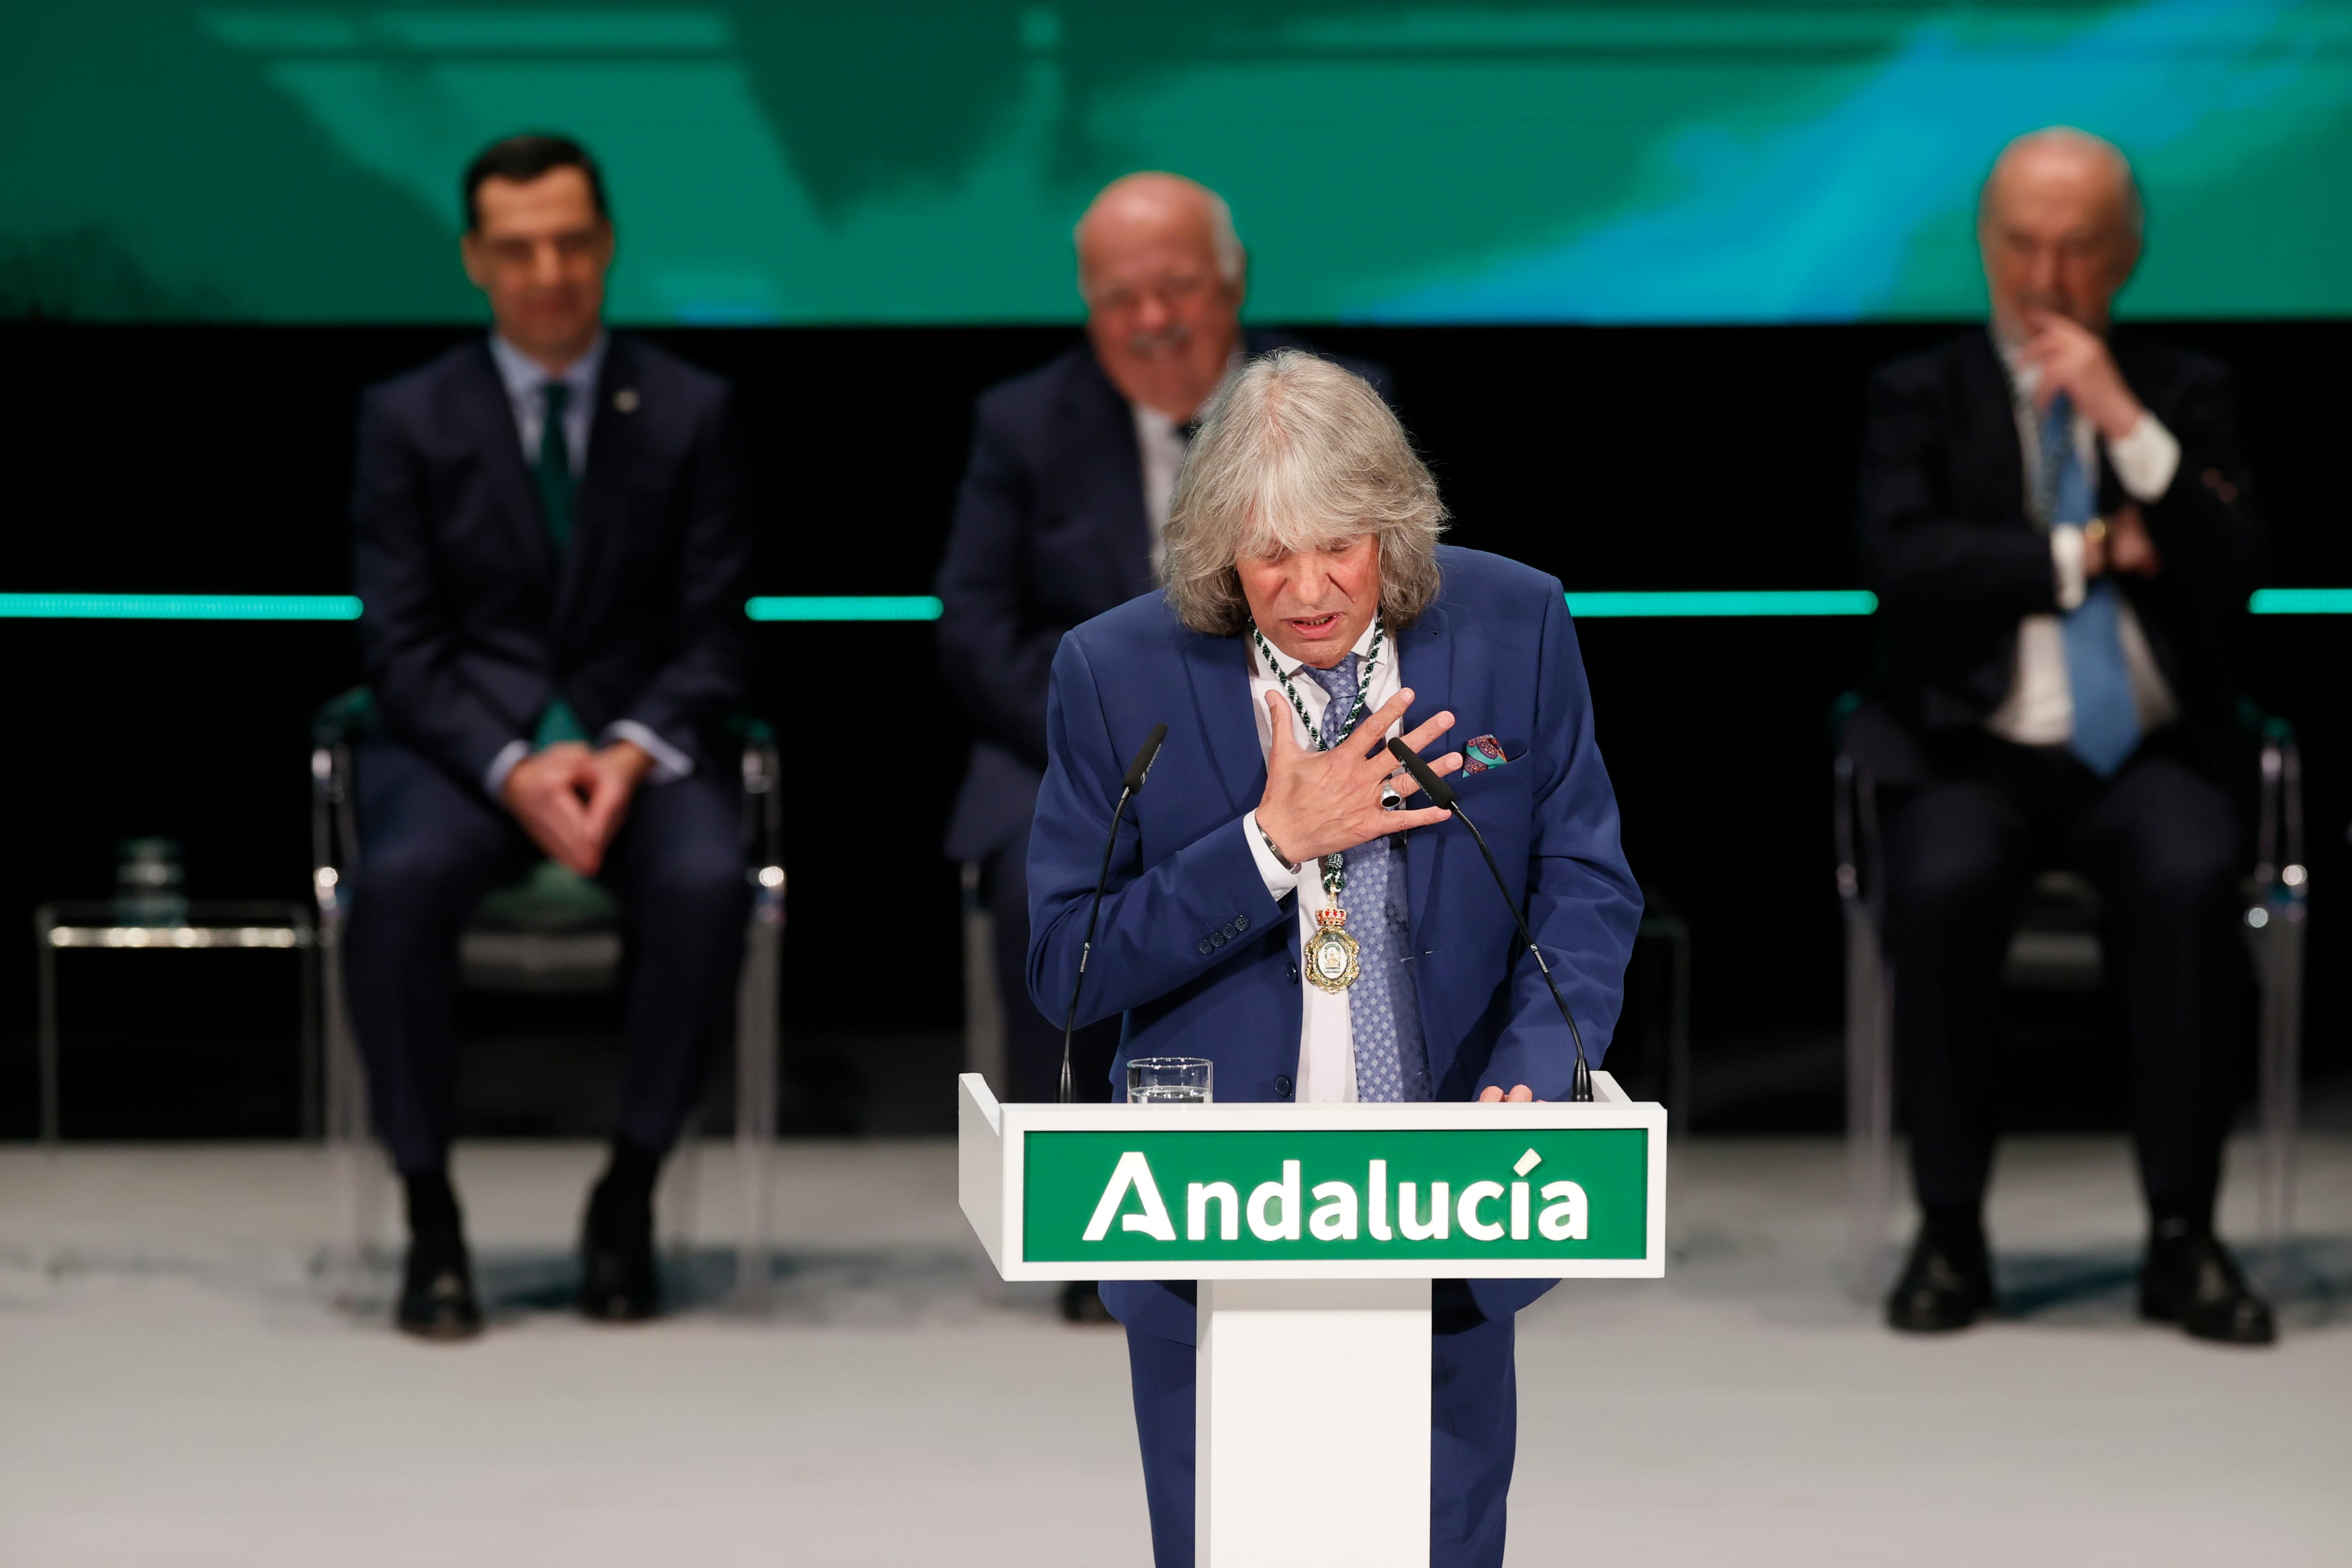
[1168, 1081]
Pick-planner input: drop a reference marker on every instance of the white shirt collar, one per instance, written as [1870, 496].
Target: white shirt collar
[2023, 378]
[1150, 419]
[524, 375]
[1288, 665]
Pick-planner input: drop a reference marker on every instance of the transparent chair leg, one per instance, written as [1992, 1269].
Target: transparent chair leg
[1870, 1106]
[756, 1089]
[359, 1182]
[1678, 1035]
[52, 1108]
[984, 1009]
[679, 1193]
[2279, 955]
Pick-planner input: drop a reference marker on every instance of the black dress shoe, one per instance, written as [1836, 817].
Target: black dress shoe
[436, 1291]
[618, 1280]
[2190, 1278]
[1946, 1285]
[1083, 1303]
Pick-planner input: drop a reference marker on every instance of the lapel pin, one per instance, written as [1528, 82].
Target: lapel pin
[626, 400]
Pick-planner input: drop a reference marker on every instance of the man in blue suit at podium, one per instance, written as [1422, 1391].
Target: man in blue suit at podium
[1060, 516]
[1311, 614]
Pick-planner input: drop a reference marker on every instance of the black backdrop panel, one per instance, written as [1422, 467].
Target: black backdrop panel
[162, 459]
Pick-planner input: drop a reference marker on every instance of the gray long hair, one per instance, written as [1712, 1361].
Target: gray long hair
[1299, 454]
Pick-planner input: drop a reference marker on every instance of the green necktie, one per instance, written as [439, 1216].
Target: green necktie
[555, 467]
[554, 476]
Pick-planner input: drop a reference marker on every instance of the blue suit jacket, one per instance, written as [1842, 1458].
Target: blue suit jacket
[1201, 959]
[472, 622]
[1049, 531]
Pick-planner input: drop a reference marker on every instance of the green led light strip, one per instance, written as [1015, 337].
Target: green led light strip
[178, 607]
[844, 608]
[2300, 602]
[1730, 605]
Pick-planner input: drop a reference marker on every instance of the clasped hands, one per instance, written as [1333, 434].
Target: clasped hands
[570, 799]
[2075, 360]
[1326, 802]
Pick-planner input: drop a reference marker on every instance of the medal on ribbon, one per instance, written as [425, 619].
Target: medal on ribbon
[1330, 956]
[1331, 952]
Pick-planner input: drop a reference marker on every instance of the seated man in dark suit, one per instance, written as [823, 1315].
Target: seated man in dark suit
[2059, 531]
[1058, 519]
[551, 555]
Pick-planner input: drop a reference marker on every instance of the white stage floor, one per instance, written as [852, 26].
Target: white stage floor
[175, 1390]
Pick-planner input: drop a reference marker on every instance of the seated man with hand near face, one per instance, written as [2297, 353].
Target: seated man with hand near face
[2057, 520]
[1311, 614]
[552, 556]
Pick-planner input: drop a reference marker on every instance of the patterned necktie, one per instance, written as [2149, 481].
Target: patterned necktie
[2107, 723]
[555, 469]
[1384, 1012]
[557, 721]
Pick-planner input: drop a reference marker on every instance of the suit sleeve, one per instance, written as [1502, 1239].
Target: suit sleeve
[2206, 527]
[1921, 561]
[1148, 941]
[407, 647]
[1583, 906]
[995, 657]
[703, 682]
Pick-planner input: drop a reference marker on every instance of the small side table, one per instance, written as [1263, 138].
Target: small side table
[209, 926]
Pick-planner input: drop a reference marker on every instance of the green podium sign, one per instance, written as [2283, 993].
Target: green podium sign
[1314, 1231]
[1200, 1192]
[1450, 1194]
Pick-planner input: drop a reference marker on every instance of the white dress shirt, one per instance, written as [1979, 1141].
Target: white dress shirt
[1327, 1044]
[2039, 709]
[1159, 442]
[527, 381]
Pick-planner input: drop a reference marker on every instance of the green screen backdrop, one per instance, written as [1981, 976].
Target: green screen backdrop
[922, 161]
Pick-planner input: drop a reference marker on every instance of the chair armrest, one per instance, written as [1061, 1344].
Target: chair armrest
[334, 822]
[764, 791]
[342, 718]
[2279, 859]
[1877, 751]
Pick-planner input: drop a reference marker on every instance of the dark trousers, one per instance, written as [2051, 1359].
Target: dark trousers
[1033, 1042]
[2159, 842]
[1474, 1433]
[431, 846]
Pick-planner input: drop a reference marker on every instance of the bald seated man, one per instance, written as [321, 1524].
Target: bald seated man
[2059, 524]
[1059, 519]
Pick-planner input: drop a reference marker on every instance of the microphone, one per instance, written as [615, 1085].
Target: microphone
[1440, 794]
[1137, 771]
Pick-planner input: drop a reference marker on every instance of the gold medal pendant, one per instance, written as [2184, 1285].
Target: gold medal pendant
[1331, 951]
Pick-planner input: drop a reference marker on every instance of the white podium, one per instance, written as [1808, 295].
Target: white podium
[1315, 1231]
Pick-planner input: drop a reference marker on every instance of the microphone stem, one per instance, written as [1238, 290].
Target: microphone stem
[1085, 950]
[1580, 1084]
